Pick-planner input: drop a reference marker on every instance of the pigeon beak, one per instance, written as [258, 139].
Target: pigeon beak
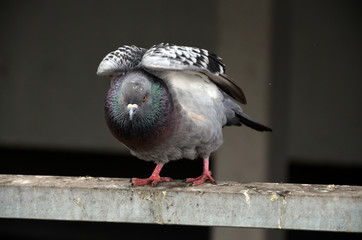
[132, 109]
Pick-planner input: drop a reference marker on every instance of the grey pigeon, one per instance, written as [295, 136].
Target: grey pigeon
[171, 102]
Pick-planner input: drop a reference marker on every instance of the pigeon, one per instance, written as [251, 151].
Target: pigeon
[170, 102]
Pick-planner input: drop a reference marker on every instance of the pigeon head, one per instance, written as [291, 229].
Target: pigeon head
[136, 95]
[138, 108]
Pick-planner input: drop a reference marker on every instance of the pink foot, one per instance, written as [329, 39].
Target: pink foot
[201, 179]
[206, 175]
[153, 180]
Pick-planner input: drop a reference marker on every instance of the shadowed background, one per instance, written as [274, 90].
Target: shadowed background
[298, 63]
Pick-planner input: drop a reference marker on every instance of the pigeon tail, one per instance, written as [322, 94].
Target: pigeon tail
[245, 119]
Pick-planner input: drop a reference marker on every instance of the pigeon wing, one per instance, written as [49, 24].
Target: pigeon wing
[121, 60]
[168, 57]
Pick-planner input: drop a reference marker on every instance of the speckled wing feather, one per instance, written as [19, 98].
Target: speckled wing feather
[123, 59]
[167, 57]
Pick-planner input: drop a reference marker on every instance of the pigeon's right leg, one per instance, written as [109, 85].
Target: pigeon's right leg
[153, 180]
[206, 175]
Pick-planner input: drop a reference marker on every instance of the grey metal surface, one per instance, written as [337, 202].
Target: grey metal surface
[259, 205]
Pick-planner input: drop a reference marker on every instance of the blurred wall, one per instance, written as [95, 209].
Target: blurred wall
[325, 82]
[316, 58]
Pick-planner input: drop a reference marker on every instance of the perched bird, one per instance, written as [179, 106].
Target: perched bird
[171, 102]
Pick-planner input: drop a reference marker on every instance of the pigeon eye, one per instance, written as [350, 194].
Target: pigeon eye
[144, 98]
[123, 98]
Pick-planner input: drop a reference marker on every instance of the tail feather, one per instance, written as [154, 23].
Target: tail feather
[235, 116]
[246, 120]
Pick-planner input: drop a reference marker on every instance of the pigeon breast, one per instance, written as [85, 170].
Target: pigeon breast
[197, 120]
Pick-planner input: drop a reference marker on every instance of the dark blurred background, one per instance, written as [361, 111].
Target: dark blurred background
[298, 62]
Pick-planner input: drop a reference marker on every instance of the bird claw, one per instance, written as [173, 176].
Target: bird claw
[153, 180]
[201, 179]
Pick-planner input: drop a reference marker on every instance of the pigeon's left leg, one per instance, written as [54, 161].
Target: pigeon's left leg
[153, 180]
[206, 175]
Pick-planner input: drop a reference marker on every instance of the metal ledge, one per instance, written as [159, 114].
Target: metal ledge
[257, 205]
